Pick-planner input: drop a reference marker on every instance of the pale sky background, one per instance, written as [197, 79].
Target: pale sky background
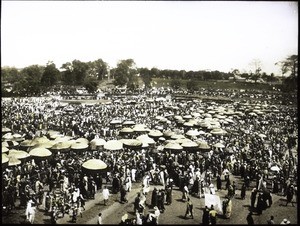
[178, 35]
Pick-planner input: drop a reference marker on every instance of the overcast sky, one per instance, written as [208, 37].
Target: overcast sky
[194, 35]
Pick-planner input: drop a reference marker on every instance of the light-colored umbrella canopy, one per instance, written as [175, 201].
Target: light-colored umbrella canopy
[204, 146]
[219, 145]
[146, 139]
[47, 145]
[132, 142]
[128, 123]
[218, 131]
[182, 140]
[98, 142]
[94, 164]
[113, 145]
[168, 133]
[10, 143]
[187, 117]
[6, 130]
[8, 136]
[155, 133]
[55, 136]
[13, 161]
[141, 128]
[40, 152]
[177, 136]
[275, 168]
[189, 144]
[18, 154]
[188, 124]
[40, 140]
[115, 122]
[82, 140]
[64, 138]
[126, 130]
[4, 158]
[4, 149]
[61, 146]
[192, 133]
[262, 135]
[27, 143]
[173, 146]
[79, 145]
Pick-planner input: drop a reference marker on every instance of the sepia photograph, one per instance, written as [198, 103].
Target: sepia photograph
[149, 112]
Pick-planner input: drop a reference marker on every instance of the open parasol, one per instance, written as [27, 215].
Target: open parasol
[4, 149]
[126, 130]
[79, 146]
[113, 145]
[192, 133]
[40, 152]
[155, 133]
[145, 139]
[61, 146]
[219, 145]
[82, 140]
[13, 161]
[132, 143]
[10, 143]
[5, 159]
[94, 165]
[18, 154]
[173, 146]
[97, 142]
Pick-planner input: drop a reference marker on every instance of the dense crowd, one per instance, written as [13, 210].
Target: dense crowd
[259, 135]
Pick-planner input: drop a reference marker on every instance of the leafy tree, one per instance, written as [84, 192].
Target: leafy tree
[290, 64]
[125, 72]
[67, 74]
[191, 85]
[74, 73]
[175, 84]
[98, 69]
[50, 75]
[10, 74]
[145, 74]
[91, 84]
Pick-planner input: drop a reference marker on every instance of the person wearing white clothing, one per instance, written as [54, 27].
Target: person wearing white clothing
[105, 194]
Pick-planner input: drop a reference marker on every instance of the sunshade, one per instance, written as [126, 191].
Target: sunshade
[168, 133]
[132, 143]
[145, 139]
[177, 136]
[262, 135]
[27, 143]
[128, 123]
[94, 164]
[61, 146]
[10, 143]
[218, 131]
[8, 136]
[98, 142]
[40, 152]
[79, 145]
[140, 128]
[4, 149]
[113, 145]
[182, 140]
[18, 154]
[173, 146]
[82, 140]
[13, 161]
[126, 130]
[192, 133]
[275, 168]
[64, 138]
[204, 146]
[47, 145]
[115, 122]
[6, 130]
[4, 158]
[187, 117]
[40, 140]
[155, 133]
[189, 144]
[219, 145]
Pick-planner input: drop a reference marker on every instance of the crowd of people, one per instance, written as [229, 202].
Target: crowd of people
[258, 135]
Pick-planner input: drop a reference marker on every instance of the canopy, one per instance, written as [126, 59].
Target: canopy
[189, 144]
[132, 143]
[40, 152]
[128, 123]
[145, 139]
[219, 145]
[218, 131]
[126, 130]
[113, 145]
[13, 161]
[79, 145]
[204, 146]
[4, 158]
[61, 146]
[275, 168]
[4, 149]
[155, 133]
[192, 133]
[10, 143]
[82, 140]
[40, 140]
[63, 138]
[98, 142]
[49, 144]
[94, 164]
[173, 146]
[140, 128]
[177, 136]
[5, 130]
[18, 154]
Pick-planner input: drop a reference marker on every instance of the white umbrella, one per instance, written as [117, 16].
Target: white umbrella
[173, 146]
[79, 146]
[98, 142]
[94, 164]
[146, 139]
[40, 152]
[4, 158]
[82, 140]
[4, 149]
[219, 145]
[192, 133]
[18, 154]
[113, 145]
[155, 133]
[275, 168]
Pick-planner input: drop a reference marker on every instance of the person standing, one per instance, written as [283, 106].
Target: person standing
[219, 182]
[189, 209]
[289, 195]
[213, 215]
[271, 220]
[205, 216]
[99, 221]
[253, 197]
[123, 193]
[249, 219]
[105, 194]
[243, 191]
[154, 197]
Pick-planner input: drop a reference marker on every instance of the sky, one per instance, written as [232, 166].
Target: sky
[176, 35]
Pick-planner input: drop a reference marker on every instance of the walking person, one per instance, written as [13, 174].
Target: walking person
[290, 195]
[243, 191]
[213, 215]
[105, 194]
[99, 221]
[189, 208]
[253, 197]
[205, 216]
[271, 220]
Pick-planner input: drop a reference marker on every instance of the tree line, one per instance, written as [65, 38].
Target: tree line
[36, 79]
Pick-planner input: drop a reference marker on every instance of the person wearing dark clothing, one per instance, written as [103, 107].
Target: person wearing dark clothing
[137, 203]
[205, 216]
[154, 197]
[219, 182]
[123, 193]
[243, 191]
[253, 197]
[115, 185]
[260, 204]
[169, 195]
[249, 219]
[289, 195]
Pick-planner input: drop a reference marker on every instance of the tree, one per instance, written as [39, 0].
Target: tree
[74, 73]
[256, 64]
[191, 85]
[290, 64]
[175, 84]
[91, 84]
[98, 69]
[50, 75]
[145, 74]
[126, 73]
[10, 74]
